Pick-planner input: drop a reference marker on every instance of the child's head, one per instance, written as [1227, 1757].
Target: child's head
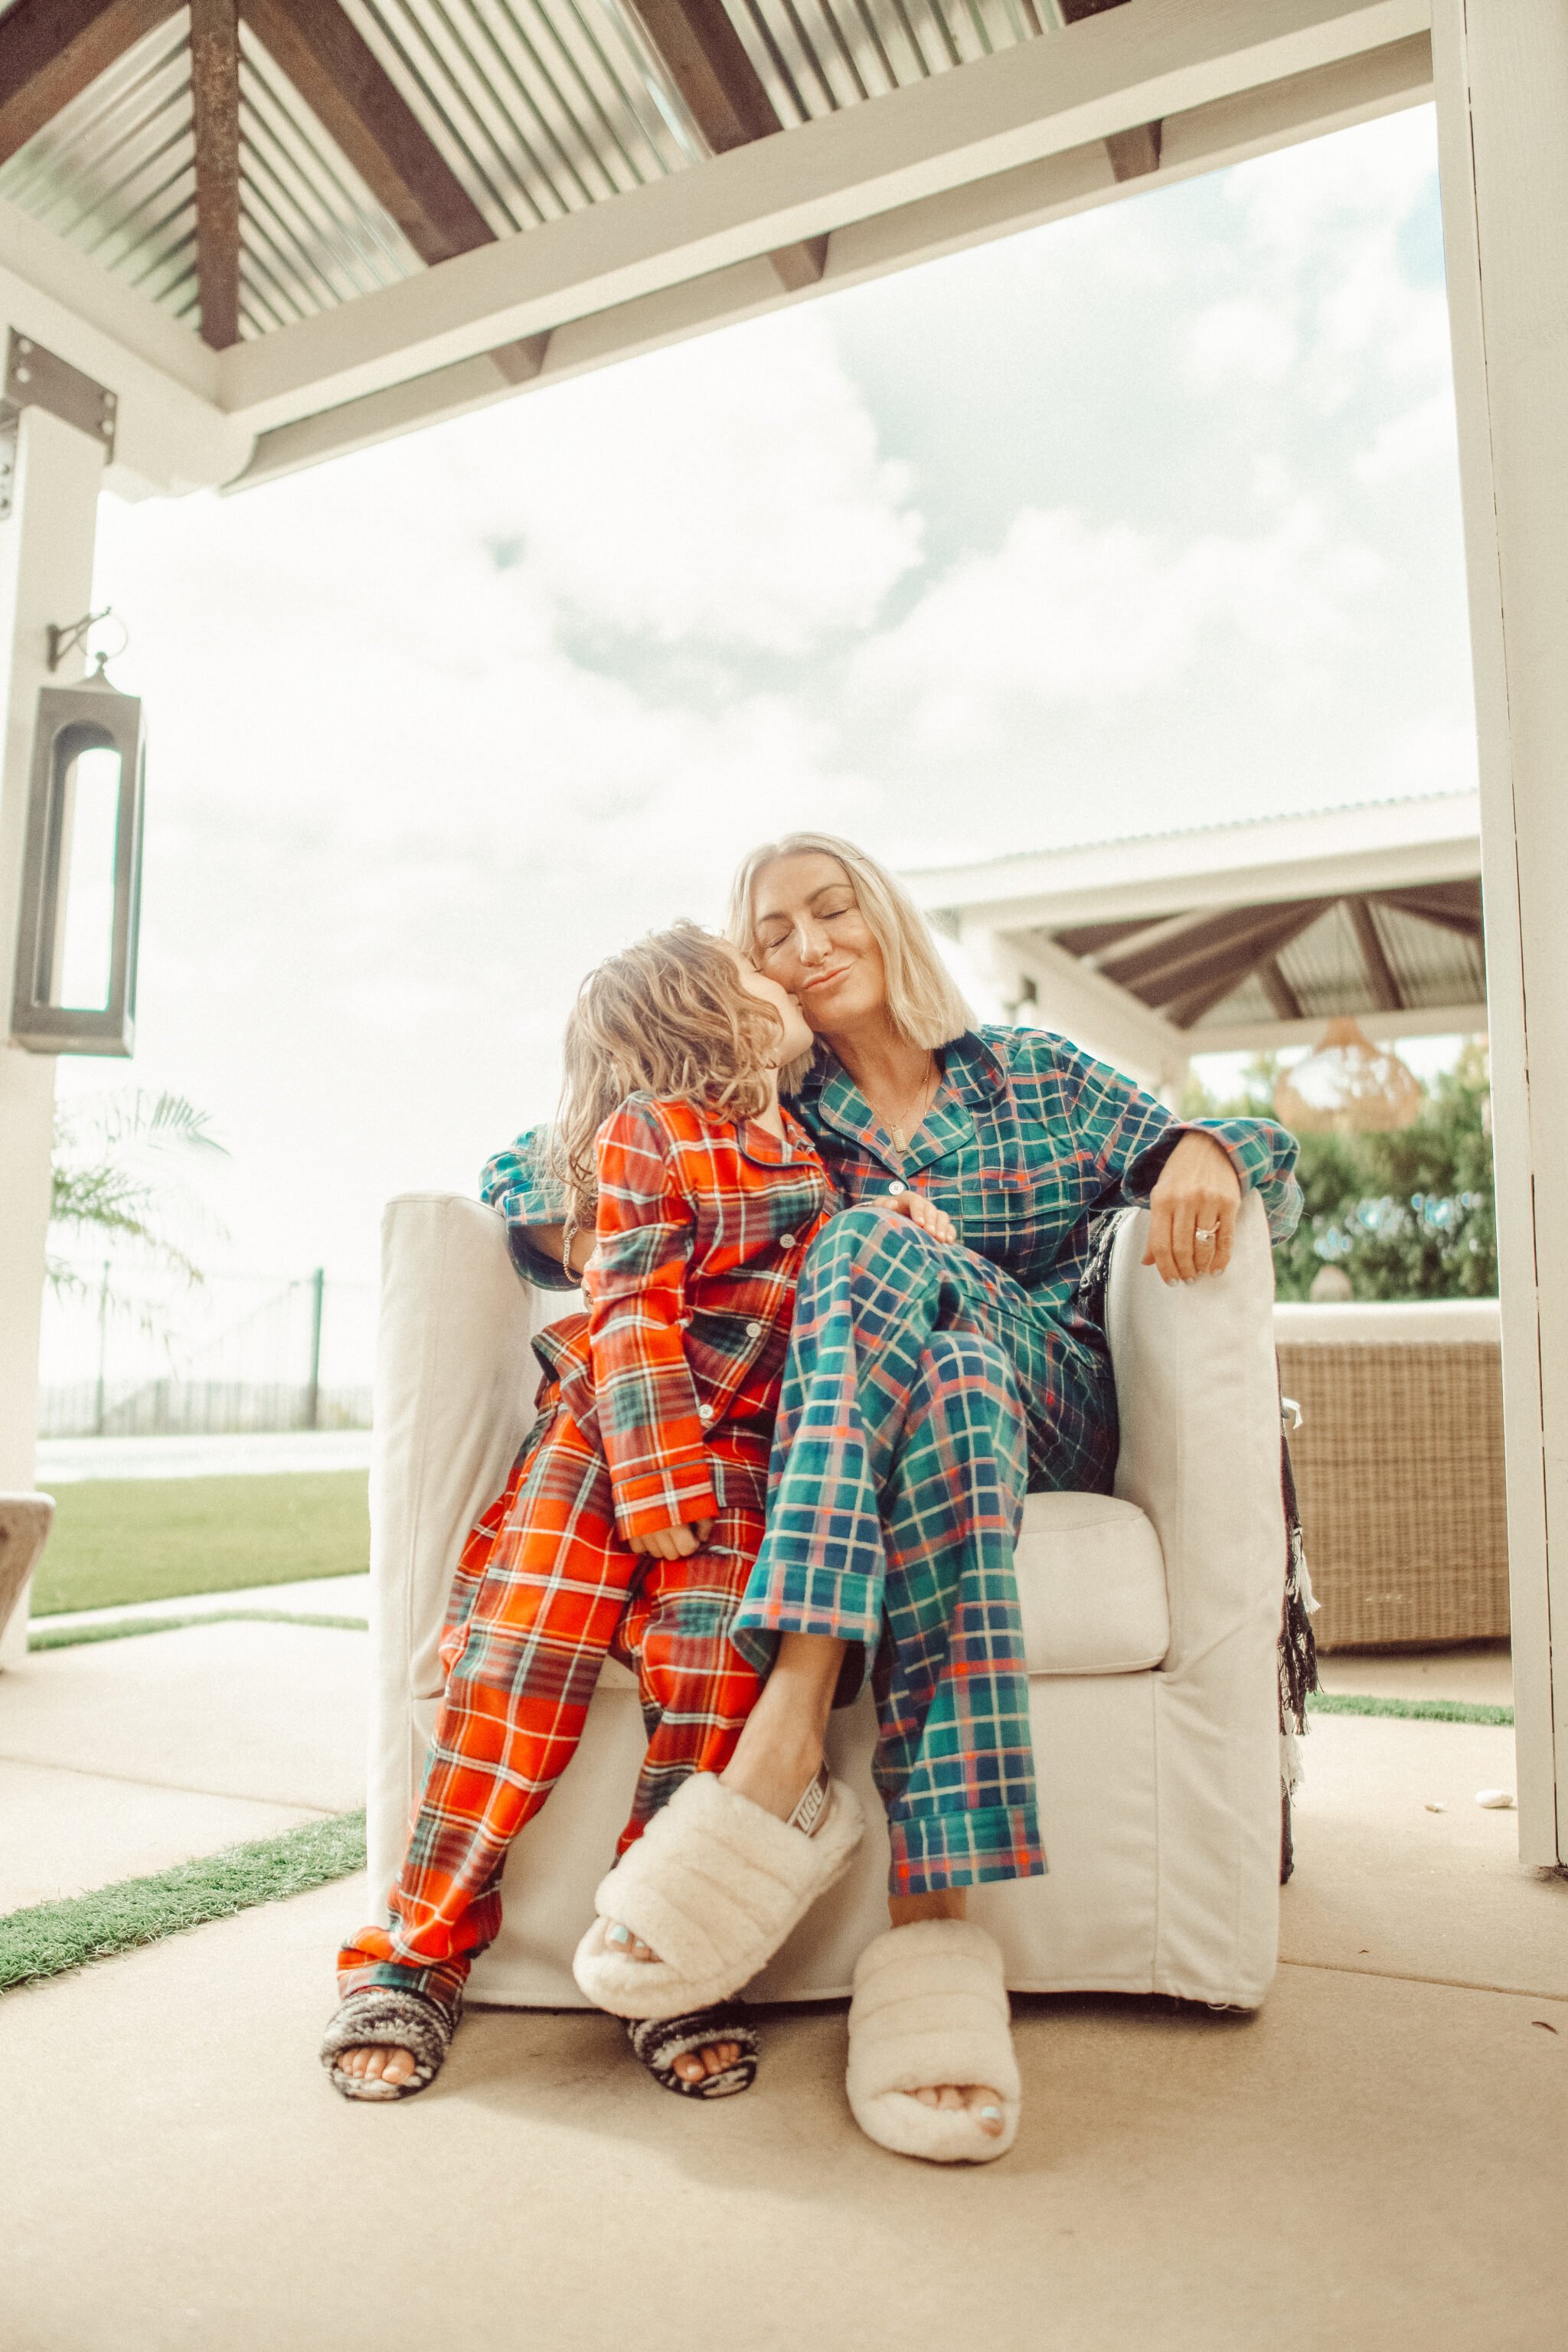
[678, 1013]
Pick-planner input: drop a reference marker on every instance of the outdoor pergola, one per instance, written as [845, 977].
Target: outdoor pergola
[1237, 938]
[245, 235]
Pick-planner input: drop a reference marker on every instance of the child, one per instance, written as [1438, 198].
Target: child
[631, 1521]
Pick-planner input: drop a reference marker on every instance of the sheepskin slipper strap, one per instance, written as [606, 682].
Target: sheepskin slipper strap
[658, 2042]
[713, 1887]
[931, 2007]
[383, 2016]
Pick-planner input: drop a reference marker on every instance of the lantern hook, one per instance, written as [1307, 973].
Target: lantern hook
[64, 640]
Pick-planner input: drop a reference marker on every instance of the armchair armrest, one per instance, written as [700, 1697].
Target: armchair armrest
[455, 1380]
[1197, 1393]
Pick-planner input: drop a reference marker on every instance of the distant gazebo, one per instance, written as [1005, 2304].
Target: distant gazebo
[1243, 937]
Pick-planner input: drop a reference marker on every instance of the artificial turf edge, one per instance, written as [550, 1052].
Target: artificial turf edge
[1410, 1710]
[117, 1629]
[48, 1938]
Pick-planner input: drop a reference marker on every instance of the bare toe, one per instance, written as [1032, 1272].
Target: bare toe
[399, 2067]
[928, 2098]
[689, 2066]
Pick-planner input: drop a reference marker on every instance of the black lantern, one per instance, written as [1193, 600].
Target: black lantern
[82, 874]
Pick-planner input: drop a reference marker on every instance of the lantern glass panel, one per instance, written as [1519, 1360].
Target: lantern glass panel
[89, 827]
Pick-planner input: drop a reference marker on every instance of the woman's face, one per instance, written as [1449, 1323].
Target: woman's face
[797, 1038]
[812, 936]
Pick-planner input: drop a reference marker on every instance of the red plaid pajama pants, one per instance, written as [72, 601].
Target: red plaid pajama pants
[545, 1590]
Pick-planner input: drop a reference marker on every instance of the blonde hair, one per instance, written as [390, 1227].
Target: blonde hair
[925, 1001]
[668, 1016]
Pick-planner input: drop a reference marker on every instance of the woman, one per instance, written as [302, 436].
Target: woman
[928, 1388]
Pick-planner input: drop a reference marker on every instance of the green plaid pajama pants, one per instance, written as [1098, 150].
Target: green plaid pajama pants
[925, 1393]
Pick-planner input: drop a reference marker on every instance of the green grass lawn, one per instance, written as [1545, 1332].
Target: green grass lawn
[121, 1540]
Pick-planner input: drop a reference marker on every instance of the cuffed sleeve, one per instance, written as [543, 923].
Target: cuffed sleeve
[522, 1184]
[1264, 1156]
[1130, 1135]
[652, 1432]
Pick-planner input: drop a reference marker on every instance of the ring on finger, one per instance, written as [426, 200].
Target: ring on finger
[1204, 1233]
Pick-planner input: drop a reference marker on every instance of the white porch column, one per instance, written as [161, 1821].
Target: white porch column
[45, 575]
[1501, 72]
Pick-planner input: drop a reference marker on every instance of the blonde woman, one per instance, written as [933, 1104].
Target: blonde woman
[928, 1388]
[633, 1515]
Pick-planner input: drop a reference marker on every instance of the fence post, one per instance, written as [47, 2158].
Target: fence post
[102, 1350]
[313, 1386]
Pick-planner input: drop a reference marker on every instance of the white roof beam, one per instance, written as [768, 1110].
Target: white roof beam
[1384, 845]
[1102, 1018]
[170, 434]
[1304, 106]
[1383, 1028]
[1132, 66]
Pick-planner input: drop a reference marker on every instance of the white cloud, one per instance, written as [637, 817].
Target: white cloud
[1240, 338]
[1063, 613]
[729, 489]
[1409, 443]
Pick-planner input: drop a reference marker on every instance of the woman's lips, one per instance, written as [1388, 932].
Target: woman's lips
[825, 979]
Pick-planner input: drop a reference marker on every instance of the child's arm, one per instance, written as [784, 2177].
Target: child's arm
[652, 1432]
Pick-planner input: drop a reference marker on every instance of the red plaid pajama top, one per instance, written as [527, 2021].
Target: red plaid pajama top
[659, 1409]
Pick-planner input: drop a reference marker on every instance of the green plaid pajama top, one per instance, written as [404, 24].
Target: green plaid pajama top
[929, 1388]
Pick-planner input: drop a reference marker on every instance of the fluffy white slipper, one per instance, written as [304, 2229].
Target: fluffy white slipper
[931, 2006]
[714, 1884]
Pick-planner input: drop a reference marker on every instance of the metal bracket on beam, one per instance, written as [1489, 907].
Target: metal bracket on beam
[36, 378]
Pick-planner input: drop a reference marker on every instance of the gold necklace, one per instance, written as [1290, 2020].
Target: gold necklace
[919, 1106]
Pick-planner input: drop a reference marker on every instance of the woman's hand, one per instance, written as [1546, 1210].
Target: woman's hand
[1192, 1210]
[672, 1543]
[920, 1211]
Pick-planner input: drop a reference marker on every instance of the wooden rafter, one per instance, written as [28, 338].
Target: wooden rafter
[1185, 995]
[1133, 152]
[1451, 906]
[1380, 975]
[344, 83]
[1232, 941]
[214, 98]
[706, 59]
[51, 49]
[722, 91]
[1285, 1003]
[1093, 939]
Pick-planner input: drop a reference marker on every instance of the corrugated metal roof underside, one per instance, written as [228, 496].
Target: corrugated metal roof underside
[540, 107]
[115, 175]
[1327, 973]
[816, 57]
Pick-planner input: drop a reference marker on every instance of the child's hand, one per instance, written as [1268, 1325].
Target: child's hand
[920, 1212]
[672, 1543]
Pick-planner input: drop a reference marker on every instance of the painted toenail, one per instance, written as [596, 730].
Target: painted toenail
[619, 1935]
[991, 2114]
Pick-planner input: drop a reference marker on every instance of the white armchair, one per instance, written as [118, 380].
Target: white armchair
[1152, 1621]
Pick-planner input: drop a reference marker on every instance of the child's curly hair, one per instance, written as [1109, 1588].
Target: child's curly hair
[668, 1016]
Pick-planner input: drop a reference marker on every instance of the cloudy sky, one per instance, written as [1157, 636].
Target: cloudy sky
[1141, 520]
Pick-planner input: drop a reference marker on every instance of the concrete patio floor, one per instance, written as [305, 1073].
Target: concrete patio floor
[1376, 2160]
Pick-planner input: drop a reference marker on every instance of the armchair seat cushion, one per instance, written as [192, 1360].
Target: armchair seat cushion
[1092, 1585]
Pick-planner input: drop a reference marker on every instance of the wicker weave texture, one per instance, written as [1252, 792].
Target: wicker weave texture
[1399, 1468]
